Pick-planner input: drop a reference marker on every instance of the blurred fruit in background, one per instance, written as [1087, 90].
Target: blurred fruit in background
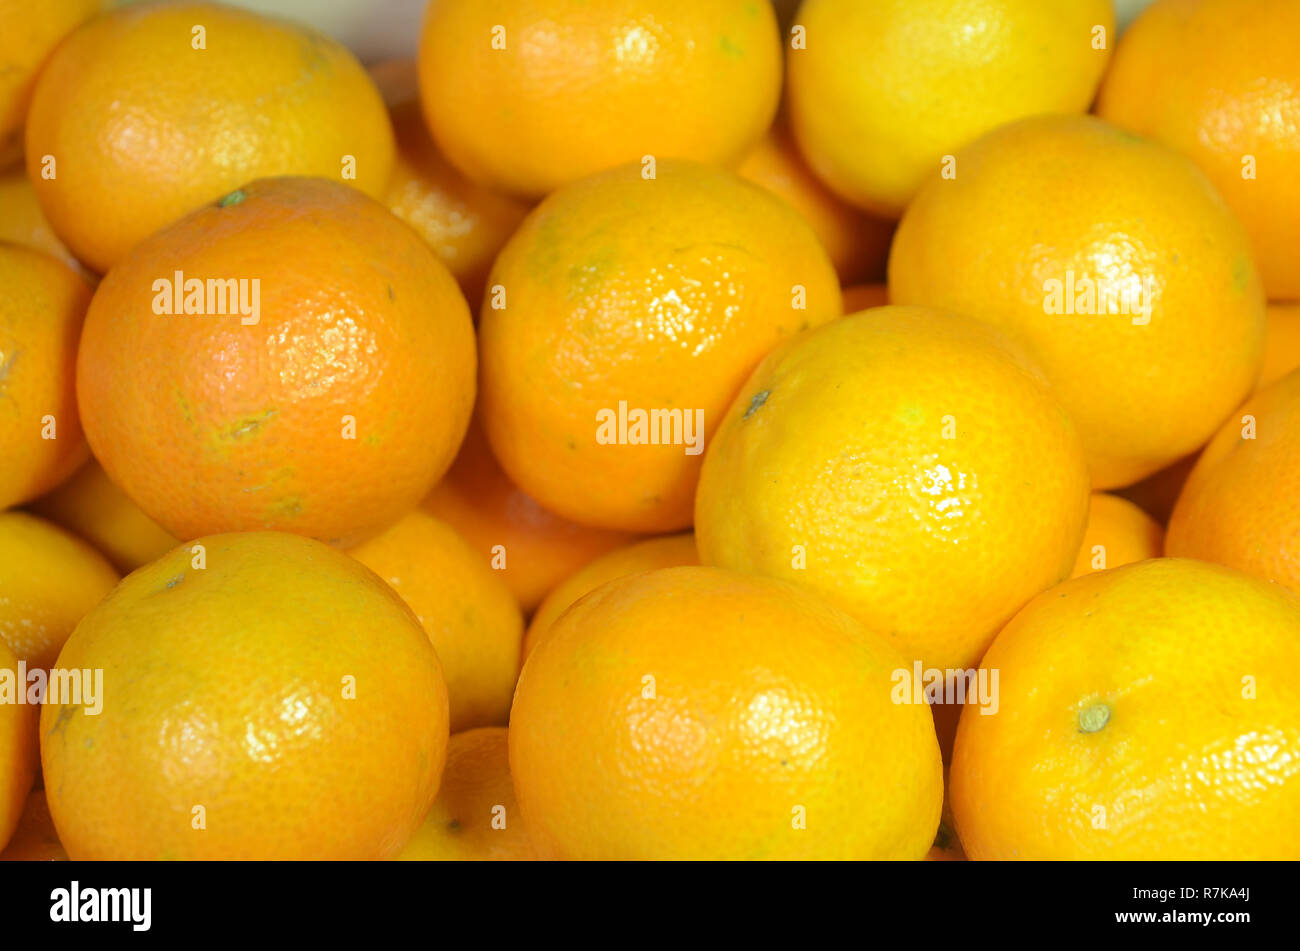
[41, 314]
[464, 606]
[19, 751]
[865, 296]
[1118, 533]
[23, 222]
[476, 816]
[533, 548]
[35, 839]
[1137, 293]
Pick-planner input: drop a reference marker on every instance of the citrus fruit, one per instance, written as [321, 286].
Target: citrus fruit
[1118, 533]
[1137, 722]
[1219, 81]
[909, 466]
[631, 311]
[865, 296]
[49, 579]
[676, 714]
[91, 506]
[532, 548]
[23, 222]
[31, 32]
[666, 551]
[18, 744]
[528, 95]
[1125, 272]
[465, 223]
[463, 605]
[34, 840]
[475, 817]
[273, 700]
[1241, 504]
[881, 92]
[857, 244]
[330, 411]
[151, 111]
[41, 314]
[1281, 343]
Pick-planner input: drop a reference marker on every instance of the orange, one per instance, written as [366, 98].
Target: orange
[881, 92]
[675, 714]
[264, 697]
[533, 549]
[666, 551]
[49, 579]
[1118, 533]
[1137, 722]
[1219, 81]
[1125, 272]
[23, 222]
[41, 313]
[91, 506]
[330, 410]
[465, 223]
[1241, 504]
[146, 119]
[35, 839]
[858, 245]
[907, 465]
[463, 605]
[18, 744]
[632, 310]
[529, 95]
[31, 32]
[1281, 343]
[865, 296]
[475, 817]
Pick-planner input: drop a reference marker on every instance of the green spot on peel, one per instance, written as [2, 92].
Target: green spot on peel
[234, 198]
[757, 400]
[1093, 718]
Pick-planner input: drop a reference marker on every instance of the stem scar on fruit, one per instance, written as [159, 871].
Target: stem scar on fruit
[757, 400]
[234, 198]
[1094, 717]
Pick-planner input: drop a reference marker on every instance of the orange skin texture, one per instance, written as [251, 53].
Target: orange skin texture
[881, 460]
[23, 222]
[581, 87]
[885, 90]
[49, 579]
[19, 750]
[1241, 504]
[663, 294]
[145, 128]
[532, 548]
[864, 297]
[671, 715]
[1281, 343]
[1122, 531]
[1189, 765]
[1219, 80]
[31, 33]
[666, 551]
[91, 506]
[988, 243]
[219, 425]
[41, 314]
[476, 788]
[35, 839]
[858, 245]
[283, 686]
[465, 608]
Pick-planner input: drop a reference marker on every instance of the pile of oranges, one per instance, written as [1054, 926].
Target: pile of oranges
[651, 429]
